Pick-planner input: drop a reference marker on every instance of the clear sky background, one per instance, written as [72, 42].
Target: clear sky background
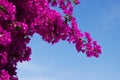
[62, 62]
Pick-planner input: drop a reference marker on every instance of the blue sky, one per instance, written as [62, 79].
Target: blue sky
[62, 62]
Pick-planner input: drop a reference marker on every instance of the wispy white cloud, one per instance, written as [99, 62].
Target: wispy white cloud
[32, 71]
[29, 78]
[38, 78]
[29, 71]
[28, 66]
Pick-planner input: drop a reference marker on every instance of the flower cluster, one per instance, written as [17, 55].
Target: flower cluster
[4, 75]
[20, 19]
